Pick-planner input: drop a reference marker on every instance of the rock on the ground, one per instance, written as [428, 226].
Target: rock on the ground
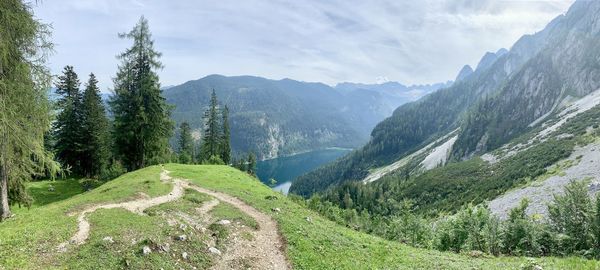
[309, 219]
[214, 250]
[184, 255]
[224, 222]
[164, 247]
[146, 250]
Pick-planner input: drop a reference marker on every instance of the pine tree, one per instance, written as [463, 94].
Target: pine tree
[212, 133]
[67, 128]
[251, 166]
[226, 138]
[24, 106]
[186, 144]
[94, 128]
[142, 125]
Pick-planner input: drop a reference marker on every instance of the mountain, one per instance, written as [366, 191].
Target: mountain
[281, 117]
[464, 72]
[508, 94]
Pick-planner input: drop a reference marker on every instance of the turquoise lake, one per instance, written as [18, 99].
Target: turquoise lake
[286, 169]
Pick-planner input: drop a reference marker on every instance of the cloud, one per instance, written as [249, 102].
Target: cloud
[329, 41]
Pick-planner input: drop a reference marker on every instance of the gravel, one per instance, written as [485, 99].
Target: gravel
[541, 193]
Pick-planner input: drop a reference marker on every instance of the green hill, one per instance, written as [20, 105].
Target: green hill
[117, 237]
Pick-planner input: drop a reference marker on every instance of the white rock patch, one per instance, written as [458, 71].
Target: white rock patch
[439, 155]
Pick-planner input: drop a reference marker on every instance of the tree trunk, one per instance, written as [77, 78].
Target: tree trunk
[4, 208]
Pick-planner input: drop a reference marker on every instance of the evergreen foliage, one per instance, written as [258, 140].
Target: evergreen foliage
[24, 106]
[142, 125]
[186, 144]
[225, 137]
[95, 150]
[67, 128]
[212, 131]
[216, 144]
[251, 164]
[474, 228]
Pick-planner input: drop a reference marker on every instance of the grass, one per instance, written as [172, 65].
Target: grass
[321, 244]
[228, 212]
[29, 240]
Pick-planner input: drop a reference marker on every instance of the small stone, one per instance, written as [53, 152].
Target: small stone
[164, 247]
[146, 250]
[214, 250]
[309, 219]
[184, 255]
[182, 237]
[277, 210]
[108, 239]
[224, 222]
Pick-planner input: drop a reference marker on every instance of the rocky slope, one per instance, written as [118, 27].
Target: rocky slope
[508, 91]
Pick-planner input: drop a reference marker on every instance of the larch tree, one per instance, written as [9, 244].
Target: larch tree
[95, 131]
[142, 124]
[67, 128]
[212, 132]
[24, 105]
[186, 144]
[226, 137]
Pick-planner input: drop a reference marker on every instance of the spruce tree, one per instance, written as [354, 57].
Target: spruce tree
[186, 144]
[212, 133]
[24, 106]
[226, 137]
[67, 128]
[141, 115]
[95, 154]
[251, 164]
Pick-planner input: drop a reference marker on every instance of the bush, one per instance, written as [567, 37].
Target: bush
[214, 160]
[114, 170]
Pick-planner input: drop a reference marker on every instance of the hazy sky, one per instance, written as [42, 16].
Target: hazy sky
[410, 41]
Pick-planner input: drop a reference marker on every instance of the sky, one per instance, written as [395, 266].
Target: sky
[409, 41]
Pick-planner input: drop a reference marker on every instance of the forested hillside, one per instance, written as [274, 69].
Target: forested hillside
[274, 118]
[497, 102]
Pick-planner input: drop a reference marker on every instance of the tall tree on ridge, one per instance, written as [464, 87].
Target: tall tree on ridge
[225, 141]
[186, 144]
[142, 124]
[95, 152]
[212, 133]
[67, 128]
[24, 106]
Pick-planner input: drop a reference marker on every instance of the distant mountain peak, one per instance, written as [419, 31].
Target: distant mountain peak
[486, 61]
[464, 72]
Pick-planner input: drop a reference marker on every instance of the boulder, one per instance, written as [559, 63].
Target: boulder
[146, 250]
[214, 250]
[224, 222]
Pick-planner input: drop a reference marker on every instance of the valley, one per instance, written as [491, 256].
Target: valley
[174, 137]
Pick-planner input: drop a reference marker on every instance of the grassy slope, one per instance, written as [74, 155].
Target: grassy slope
[29, 240]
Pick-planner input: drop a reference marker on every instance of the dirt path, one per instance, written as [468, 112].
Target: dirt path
[136, 206]
[265, 251]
